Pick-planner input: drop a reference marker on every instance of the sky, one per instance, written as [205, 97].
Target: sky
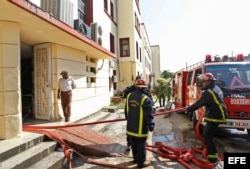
[188, 30]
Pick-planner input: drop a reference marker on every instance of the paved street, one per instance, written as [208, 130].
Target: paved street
[175, 131]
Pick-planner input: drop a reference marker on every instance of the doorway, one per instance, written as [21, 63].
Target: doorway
[27, 85]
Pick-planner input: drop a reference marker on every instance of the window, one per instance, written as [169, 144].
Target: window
[198, 72]
[81, 10]
[137, 52]
[140, 54]
[115, 83]
[112, 43]
[230, 75]
[124, 47]
[138, 4]
[85, 10]
[106, 5]
[112, 10]
[137, 24]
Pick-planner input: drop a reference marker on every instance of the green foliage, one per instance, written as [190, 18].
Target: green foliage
[166, 74]
[163, 80]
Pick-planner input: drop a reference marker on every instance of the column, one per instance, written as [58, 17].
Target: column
[10, 91]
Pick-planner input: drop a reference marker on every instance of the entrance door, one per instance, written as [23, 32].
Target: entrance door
[42, 82]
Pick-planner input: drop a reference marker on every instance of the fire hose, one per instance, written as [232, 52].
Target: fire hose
[181, 155]
[68, 151]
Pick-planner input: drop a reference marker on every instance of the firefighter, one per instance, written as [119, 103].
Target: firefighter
[213, 100]
[130, 89]
[140, 120]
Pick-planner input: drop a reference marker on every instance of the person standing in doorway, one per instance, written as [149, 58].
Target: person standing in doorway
[65, 86]
[140, 120]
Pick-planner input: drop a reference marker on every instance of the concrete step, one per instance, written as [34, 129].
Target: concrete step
[11, 147]
[111, 109]
[30, 156]
[31, 151]
[52, 161]
[104, 116]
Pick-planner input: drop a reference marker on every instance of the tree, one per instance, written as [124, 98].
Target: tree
[166, 74]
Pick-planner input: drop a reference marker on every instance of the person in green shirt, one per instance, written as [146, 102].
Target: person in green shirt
[161, 93]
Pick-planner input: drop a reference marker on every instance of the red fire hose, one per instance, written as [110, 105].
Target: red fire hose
[92, 123]
[183, 156]
[68, 151]
[203, 151]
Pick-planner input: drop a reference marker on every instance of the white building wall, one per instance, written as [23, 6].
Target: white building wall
[146, 53]
[88, 97]
[156, 61]
[107, 25]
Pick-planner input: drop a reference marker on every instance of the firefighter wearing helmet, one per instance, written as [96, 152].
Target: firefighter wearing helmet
[212, 99]
[140, 120]
[130, 89]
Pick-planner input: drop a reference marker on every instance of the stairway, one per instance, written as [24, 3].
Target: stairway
[28, 152]
[36, 151]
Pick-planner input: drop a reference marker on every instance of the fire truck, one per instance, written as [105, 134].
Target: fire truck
[232, 75]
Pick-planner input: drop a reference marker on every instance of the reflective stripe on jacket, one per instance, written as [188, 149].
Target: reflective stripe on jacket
[215, 109]
[221, 108]
[139, 114]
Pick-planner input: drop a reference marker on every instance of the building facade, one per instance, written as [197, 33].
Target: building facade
[156, 72]
[130, 43]
[146, 56]
[32, 57]
[60, 9]
[103, 56]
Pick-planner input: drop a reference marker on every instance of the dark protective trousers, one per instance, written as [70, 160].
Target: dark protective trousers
[208, 135]
[162, 99]
[66, 99]
[138, 146]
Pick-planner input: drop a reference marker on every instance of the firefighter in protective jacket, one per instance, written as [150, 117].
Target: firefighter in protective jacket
[213, 100]
[130, 89]
[140, 121]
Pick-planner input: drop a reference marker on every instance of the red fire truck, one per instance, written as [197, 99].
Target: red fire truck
[232, 76]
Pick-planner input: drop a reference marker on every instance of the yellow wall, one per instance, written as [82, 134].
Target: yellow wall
[87, 97]
[10, 102]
